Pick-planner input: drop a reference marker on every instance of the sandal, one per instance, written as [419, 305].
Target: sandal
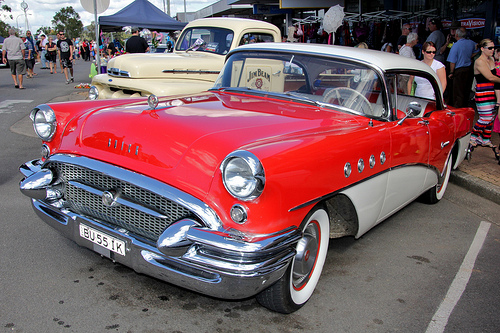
[488, 145]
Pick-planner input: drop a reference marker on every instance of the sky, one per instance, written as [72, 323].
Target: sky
[41, 12]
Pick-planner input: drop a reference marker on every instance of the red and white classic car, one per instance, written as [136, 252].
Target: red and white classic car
[235, 192]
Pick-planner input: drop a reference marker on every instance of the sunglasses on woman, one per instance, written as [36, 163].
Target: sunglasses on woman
[429, 52]
[489, 47]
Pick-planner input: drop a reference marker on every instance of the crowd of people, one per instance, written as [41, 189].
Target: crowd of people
[462, 65]
[23, 52]
[465, 69]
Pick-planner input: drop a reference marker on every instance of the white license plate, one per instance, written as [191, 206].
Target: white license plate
[102, 239]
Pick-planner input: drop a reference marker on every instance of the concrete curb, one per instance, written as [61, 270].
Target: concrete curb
[478, 186]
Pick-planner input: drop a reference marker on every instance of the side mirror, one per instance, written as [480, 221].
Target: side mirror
[412, 110]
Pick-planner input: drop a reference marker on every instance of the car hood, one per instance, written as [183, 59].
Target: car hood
[178, 65]
[177, 144]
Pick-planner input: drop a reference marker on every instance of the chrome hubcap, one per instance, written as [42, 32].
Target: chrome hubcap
[305, 259]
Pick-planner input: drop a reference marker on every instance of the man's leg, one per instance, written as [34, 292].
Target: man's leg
[14, 77]
[20, 78]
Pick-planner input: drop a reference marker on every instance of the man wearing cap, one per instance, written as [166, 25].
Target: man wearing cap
[14, 48]
[136, 44]
[405, 30]
[437, 37]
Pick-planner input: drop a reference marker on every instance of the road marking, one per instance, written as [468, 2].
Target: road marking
[457, 288]
[5, 106]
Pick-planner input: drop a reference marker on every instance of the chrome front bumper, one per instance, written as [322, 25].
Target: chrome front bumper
[221, 263]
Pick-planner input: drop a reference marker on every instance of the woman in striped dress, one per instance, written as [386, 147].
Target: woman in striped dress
[484, 72]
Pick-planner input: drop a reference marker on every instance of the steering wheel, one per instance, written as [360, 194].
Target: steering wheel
[349, 98]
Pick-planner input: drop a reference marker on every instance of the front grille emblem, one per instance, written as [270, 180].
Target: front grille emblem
[109, 198]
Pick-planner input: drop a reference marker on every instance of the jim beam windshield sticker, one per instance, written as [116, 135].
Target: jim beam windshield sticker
[259, 78]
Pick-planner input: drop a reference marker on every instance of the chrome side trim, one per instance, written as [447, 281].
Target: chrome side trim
[187, 71]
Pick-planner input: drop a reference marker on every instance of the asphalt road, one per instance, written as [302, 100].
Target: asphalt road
[393, 279]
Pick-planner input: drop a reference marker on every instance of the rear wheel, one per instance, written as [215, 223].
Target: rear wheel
[295, 288]
[436, 193]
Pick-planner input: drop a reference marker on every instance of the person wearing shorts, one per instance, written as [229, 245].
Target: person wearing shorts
[14, 49]
[65, 50]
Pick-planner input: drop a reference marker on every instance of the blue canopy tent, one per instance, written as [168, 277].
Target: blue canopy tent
[142, 14]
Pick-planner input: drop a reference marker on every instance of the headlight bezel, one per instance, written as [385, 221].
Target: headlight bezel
[44, 122]
[93, 93]
[254, 180]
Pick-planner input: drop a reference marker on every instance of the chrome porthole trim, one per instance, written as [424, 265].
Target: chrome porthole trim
[361, 165]
[372, 161]
[347, 169]
[382, 158]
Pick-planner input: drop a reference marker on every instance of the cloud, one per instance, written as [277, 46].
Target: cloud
[41, 12]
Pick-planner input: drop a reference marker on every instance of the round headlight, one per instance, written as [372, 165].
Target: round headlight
[93, 93]
[44, 122]
[243, 175]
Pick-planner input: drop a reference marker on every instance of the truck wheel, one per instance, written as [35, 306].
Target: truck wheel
[297, 285]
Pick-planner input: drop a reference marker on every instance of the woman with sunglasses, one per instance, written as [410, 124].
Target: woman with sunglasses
[424, 88]
[486, 82]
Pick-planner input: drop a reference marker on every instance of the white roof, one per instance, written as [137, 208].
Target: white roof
[383, 60]
[231, 23]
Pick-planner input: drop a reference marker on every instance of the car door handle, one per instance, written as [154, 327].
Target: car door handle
[450, 113]
[424, 122]
[444, 144]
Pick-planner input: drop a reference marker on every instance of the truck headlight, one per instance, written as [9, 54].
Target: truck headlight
[93, 93]
[44, 122]
[243, 175]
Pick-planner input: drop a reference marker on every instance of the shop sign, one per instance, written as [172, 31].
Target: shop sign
[259, 9]
[470, 23]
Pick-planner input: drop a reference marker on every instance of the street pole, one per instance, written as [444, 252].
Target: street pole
[97, 55]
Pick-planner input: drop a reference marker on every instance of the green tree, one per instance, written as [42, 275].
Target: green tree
[5, 13]
[45, 30]
[68, 20]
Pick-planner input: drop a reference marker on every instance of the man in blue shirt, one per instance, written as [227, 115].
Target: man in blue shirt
[460, 59]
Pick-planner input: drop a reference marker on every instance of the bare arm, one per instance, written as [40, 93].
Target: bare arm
[482, 67]
[452, 69]
[441, 73]
[410, 83]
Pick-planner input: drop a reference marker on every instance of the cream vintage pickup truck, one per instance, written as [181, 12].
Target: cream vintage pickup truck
[193, 66]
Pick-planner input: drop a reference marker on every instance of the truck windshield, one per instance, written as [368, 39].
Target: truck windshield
[210, 39]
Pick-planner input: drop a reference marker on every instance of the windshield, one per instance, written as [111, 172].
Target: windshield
[213, 40]
[324, 81]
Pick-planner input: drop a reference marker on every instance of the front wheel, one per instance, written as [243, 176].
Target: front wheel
[295, 288]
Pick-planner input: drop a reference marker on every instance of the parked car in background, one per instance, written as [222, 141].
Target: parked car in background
[235, 192]
[192, 67]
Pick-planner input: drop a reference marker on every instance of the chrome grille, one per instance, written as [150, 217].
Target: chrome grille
[83, 202]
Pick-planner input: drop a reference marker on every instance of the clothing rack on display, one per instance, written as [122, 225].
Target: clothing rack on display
[388, 15]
